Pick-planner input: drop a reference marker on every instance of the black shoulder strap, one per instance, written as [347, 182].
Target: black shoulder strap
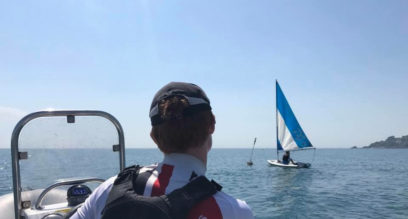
[140, 181]
[189, 195]
[122, 183]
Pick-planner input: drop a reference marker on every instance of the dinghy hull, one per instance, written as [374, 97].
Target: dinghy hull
[277, 163]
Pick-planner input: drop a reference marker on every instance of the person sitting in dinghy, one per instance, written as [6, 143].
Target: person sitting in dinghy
[286, 158]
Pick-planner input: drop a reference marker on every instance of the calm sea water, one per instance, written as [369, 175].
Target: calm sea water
[342, 183]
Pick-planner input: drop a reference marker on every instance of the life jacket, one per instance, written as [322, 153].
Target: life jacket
[125, 203]
[285, 159]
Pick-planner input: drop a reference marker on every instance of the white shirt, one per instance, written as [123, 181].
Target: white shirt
[173, 172]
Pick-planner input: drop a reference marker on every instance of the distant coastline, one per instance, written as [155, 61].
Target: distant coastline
[390, 142]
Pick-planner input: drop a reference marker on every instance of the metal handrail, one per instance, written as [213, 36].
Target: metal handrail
[64, 183]
[19, 126]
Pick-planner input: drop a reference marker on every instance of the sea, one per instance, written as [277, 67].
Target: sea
[341, 183]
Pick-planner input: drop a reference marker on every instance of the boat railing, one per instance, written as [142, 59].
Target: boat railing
[17, 155]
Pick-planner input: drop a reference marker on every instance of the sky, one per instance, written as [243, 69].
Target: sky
[341, 64]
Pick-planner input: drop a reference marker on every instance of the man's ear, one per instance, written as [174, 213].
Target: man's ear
[212, 126]
[152, 136]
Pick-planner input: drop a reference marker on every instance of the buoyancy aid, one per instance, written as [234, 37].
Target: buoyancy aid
[125, 202]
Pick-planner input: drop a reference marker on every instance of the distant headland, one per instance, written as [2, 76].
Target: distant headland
[390, 142]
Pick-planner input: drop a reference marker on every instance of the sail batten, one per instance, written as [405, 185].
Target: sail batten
[290, 136]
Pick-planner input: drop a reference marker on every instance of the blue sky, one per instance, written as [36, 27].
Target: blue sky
[342, 64]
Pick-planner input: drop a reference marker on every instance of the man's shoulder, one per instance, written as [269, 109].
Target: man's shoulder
[232, 206]
[148, 168]
[106, 186]
[100, 194]
[95, 203]
[220, 206]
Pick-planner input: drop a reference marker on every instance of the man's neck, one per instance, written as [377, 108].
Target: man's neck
[185, 162]
[199, 153]
[202, 151]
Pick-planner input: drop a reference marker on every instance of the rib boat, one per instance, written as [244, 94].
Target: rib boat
[58, 158]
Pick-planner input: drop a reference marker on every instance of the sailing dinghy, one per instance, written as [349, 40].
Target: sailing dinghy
[289, 134]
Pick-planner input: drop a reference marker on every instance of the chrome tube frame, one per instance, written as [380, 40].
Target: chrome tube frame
[64, 183]
[15, 152]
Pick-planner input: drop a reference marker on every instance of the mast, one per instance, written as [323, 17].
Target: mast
[276, 113]
[252, 152]
[253, 147]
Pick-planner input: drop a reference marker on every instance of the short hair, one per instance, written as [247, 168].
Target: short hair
[181, 131]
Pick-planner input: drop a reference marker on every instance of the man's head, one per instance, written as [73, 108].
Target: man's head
[181, 117]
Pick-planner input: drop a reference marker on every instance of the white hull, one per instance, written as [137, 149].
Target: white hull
[54, 196]
[290, 165]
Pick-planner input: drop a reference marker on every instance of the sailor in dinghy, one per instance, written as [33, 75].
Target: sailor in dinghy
[286, 158]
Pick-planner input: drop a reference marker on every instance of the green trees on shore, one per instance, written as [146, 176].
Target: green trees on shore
[391, 142]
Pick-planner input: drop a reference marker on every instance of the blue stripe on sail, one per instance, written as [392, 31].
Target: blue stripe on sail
[279, 145]
[290, 120]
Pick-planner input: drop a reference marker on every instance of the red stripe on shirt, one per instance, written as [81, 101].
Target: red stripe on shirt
[206, 209]
[162, 181]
